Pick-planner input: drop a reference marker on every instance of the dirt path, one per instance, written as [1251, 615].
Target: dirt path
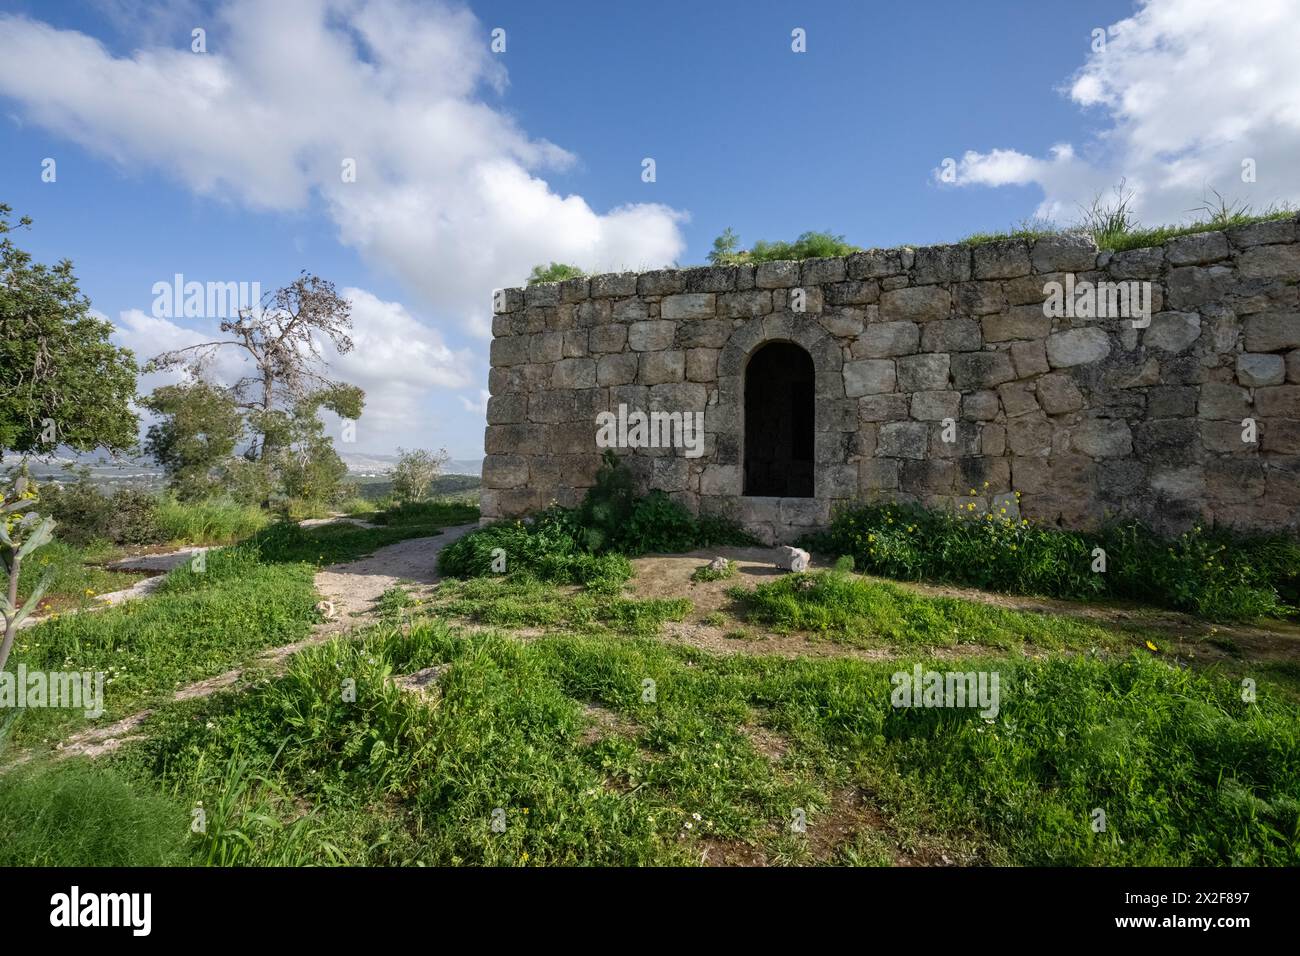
[348, 593]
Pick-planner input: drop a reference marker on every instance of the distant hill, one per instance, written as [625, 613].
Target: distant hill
[369, 464]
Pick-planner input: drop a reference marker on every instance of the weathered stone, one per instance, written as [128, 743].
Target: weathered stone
[1270, 262]
[903, 440]
[941, 264]
[1058, 394]
[607, 338]
[981, 369]
[1067, 253]
[613, 284]
[884, 339]
[1136, 264]
[845, 323]
[1017, 398]
[883, 408]
[693, 305]
[660, 367]
[935, 406]
[1223, 402]
[574, 373]
[505, 471]
[792, 559]
[543, 294]
[1022, 322]
[651, 336]
[951, 335]
[1103, 438]
[1005, 259]
[980, 406]
[922, 372]
[1030, 435]
[868, 377]
[1197, 249]
[1077, 347]
[1293, 366]
[1279, 401]
[777, 275]
[1029, 358]
[915, 304]
[1272, 331]
[1171, 401]
[1190, 286]
[702, 365]
[663, 282]
[616, 369]
[874, 264]
[1255, 369]
[980, 298]
[1172, 331]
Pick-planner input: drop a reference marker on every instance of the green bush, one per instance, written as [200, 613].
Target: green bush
[590, 545]
[1209, 572]
[85, 513]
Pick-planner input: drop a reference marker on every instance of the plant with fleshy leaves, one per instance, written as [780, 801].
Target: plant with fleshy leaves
[22, 531]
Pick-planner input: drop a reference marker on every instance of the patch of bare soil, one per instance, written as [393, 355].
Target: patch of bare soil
[605, 723]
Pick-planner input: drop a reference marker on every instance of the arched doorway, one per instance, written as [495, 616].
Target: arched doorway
[780, 416]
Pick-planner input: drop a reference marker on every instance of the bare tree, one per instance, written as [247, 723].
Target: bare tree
[282, 337]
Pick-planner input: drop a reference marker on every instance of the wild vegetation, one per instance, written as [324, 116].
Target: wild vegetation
[1214, 573]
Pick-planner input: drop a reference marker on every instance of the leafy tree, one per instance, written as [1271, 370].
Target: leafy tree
[198, 428]
[282, 338]
[304, 459]
[555, 272]
[415, 472]
[62, 382]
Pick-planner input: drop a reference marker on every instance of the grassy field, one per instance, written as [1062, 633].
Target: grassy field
[558, 726]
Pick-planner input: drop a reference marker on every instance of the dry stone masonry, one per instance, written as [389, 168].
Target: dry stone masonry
[922, 375]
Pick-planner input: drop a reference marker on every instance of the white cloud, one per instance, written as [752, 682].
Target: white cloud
[448, 194]
[476, 406]
[1190, 89]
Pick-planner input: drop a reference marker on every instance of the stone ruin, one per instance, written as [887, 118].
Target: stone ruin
[1038, 376]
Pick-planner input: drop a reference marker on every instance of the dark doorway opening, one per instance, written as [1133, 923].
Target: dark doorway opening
[779, 422]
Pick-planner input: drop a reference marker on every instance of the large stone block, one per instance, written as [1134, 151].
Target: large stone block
[1103, 438]
[613, 284]
[1272, 331]
[512, 350]
[915, 304]
[923, 372]
[1172, 331]
[1058, 394]
[940, 264]
[903, 440]
[691, 305]
[607, 338]
[868, 377]
[1002, 260]
[651, 336]
[885, 339]
[935, 406]
[1022, 322]
[1077, 347]
[1064, 254]
[1197, 249]
[971, 370]
[616, 369]
[1255, 369]
[574, 373]
[658, 368]
[1221, 401]
[1270, 262]
[505, 471]
[951, 335]
[777, 275]
[1278, 401]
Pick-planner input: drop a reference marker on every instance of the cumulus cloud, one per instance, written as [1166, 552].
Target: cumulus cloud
[448, 193]
[1189, 90]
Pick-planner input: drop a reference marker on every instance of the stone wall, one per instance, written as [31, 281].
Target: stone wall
[938, 372]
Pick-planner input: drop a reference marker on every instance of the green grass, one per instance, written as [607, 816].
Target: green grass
[520, 600]
[852, 610]
[71, 577]
[74, 813]
[704, 573]
[215, 521]
[249, 597]
[1186, 773]
[443, 513]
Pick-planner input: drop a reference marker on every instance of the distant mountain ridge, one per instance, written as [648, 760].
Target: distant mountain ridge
[358, 463]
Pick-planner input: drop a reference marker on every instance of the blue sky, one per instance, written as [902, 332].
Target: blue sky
[473, 165]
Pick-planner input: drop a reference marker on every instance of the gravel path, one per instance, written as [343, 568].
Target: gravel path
[350, 589]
